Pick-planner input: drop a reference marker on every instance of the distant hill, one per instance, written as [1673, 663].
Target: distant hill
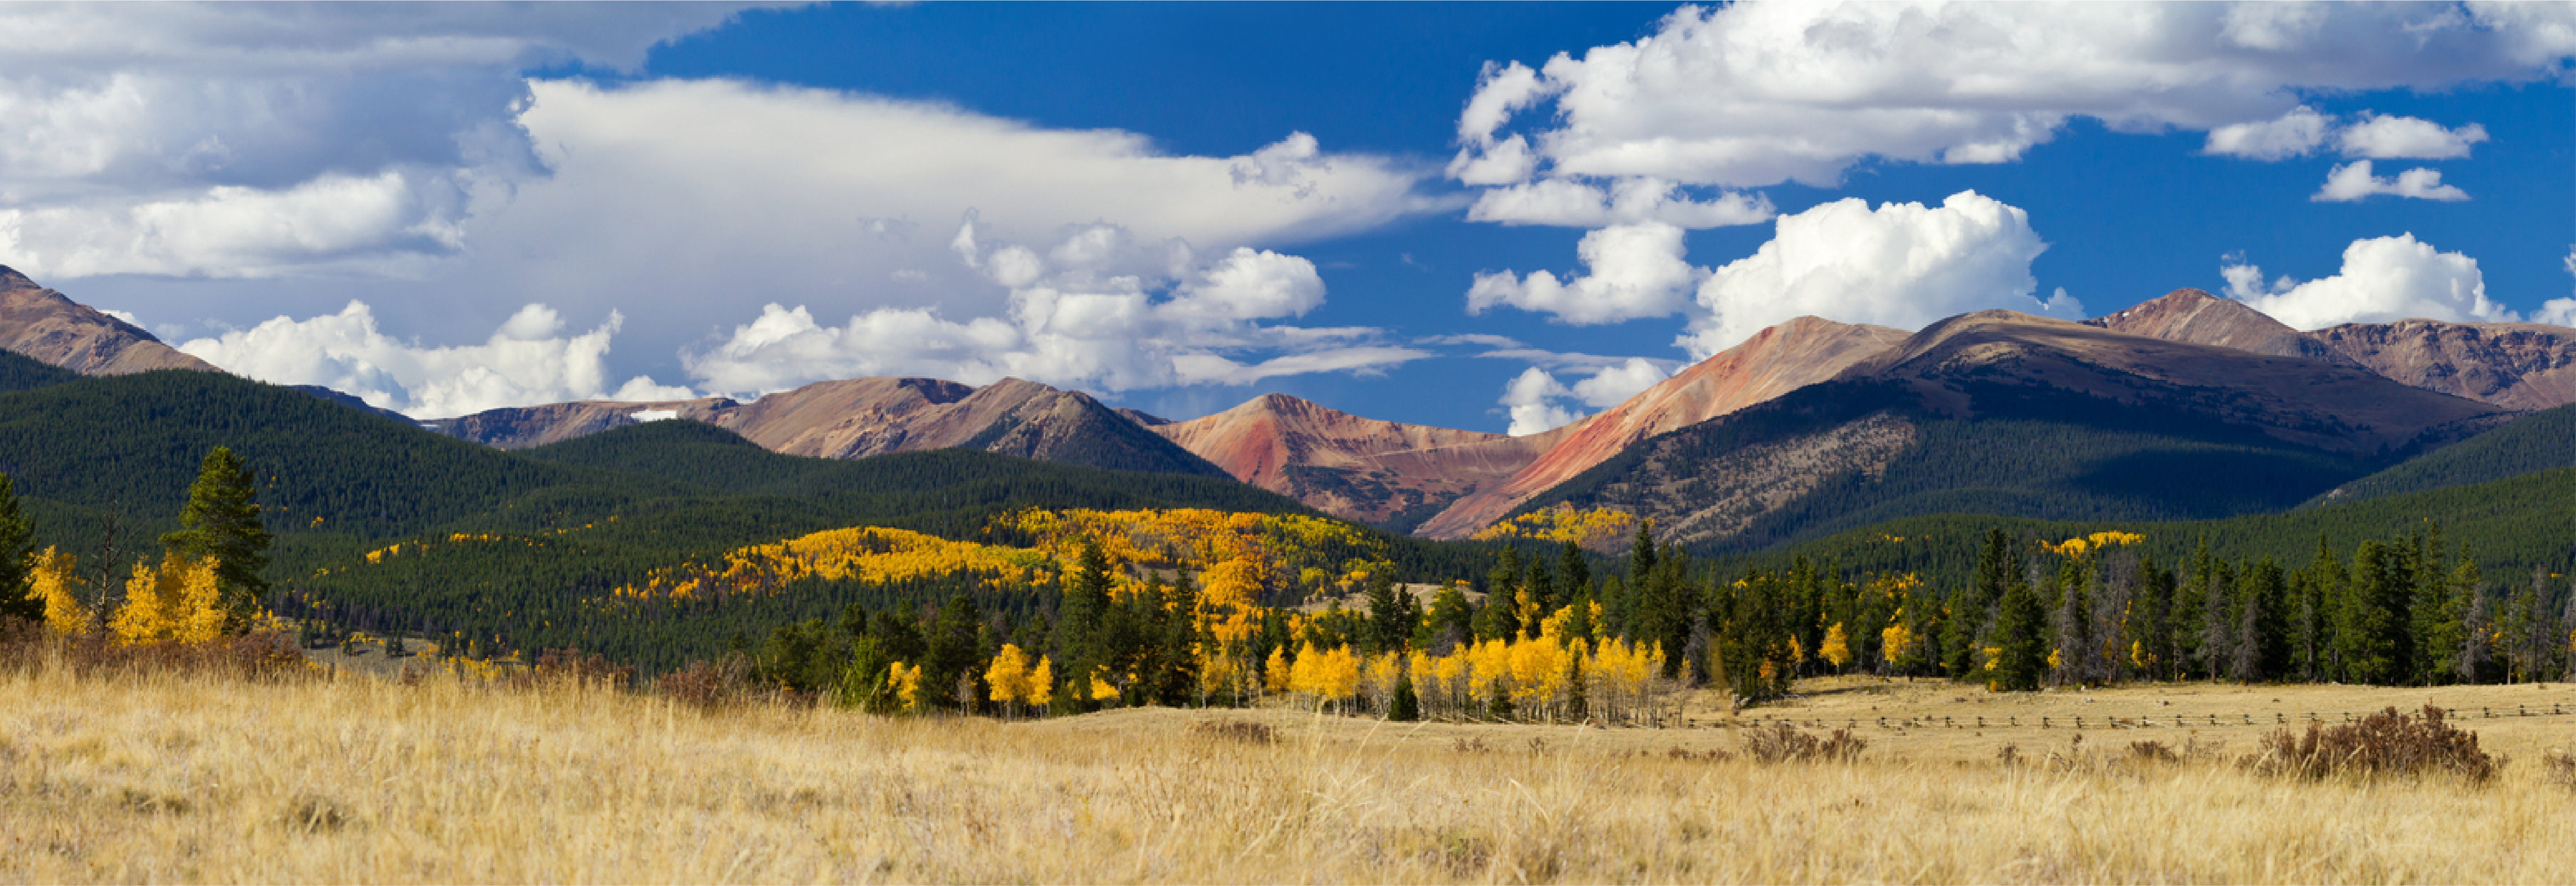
[2537, 442]
[1382, 472]
[57, 331]
[857, 418]
[2510, 527]
[2013, 415]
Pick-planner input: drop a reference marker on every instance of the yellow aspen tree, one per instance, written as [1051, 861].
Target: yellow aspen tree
[197, 588]
[1426, 686]
[1340, 677]
[1381, 676]
[1452, 671]
[1041, 683]
[1008, 676]
[1305, 676]
[1275, 674]
[1894, 642]
[51, 581]
[1837, 647]
[145, 616]
[1101, 690]
[907, 684]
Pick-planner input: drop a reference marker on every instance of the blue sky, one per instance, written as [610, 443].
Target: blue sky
[1178, 207]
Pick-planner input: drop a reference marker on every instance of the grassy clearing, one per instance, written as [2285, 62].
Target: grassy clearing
[149, 777]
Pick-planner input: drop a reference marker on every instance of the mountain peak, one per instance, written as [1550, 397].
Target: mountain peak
[50, 327]
[2193, 316]
[1775, 361]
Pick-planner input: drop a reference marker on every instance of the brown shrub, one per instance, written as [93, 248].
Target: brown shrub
[712, 685]
[2152, 752]
[263, 656]
[566, 667]
[1781, 742]
[2559, 768]
[2382, 744]
[1236, 731]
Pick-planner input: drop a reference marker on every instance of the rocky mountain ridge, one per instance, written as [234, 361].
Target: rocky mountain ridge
[50, 327]
[860, 417]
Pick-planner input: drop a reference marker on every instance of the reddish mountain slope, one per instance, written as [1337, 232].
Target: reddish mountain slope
[1342, 464]
[2517, 365]
[43, 324]
[1780, 359]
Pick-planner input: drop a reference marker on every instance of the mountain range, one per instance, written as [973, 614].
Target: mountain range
[1806, 427]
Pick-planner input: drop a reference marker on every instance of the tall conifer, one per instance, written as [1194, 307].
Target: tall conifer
[221, 522]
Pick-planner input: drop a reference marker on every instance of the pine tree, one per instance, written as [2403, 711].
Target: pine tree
[18, 597]
[2021, 638]
[221, 523]
[1641, 554]
[1571, 566]
[1404, 707]
[1085, 606]
[1386, 615]
[2373, 618]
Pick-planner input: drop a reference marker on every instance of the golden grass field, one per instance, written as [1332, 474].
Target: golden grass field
[158, 777]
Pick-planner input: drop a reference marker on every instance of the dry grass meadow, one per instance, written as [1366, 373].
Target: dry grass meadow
[160, 777]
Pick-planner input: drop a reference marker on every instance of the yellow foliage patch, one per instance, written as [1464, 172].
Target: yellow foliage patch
[1599, 529]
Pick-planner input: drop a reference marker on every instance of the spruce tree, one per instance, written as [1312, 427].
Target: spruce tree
[2021, 635]
[2374, 619]
[1086, 604]
[17, 558]
[221, 522]
[1641, 554]
[1387, 630]
[1404, 707]
[1573, 569]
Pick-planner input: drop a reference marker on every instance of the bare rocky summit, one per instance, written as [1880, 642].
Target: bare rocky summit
[2196, 317]
[53, 329]
[2516, 365]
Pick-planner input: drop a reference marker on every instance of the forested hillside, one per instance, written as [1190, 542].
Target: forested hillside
[2537, 442]
[1848, 454]
[2511, 526]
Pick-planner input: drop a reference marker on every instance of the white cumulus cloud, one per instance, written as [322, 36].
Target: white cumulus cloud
[1615, 384]
[2352, 181]
[1901, 264]
[2383, 280]
[528, 360]
[2303, 131]
[1636, 271]
[1574, 203]
[1537, 401]
[2381, 137]
[1101, 308]
[1531, 400]
[1751, 94]
[258, 140]
[2296, 134]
